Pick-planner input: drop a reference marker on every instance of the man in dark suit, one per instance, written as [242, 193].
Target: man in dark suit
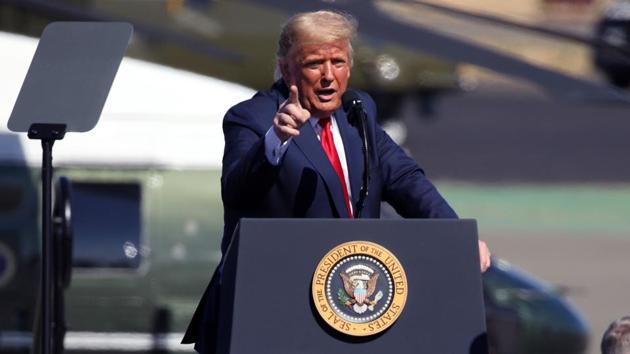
[291, 151]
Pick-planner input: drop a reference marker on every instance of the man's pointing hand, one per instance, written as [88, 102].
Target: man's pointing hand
[290, 116]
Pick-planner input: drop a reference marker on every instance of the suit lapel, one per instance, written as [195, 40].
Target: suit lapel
[354, 155]
[309, 144]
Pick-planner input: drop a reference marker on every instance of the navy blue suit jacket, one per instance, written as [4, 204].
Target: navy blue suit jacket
[304, 184]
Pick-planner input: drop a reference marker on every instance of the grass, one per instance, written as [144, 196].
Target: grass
[580, 208]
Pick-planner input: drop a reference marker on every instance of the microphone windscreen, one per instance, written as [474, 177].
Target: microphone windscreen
[349, 99]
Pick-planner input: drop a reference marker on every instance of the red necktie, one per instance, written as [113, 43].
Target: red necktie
[329, 147]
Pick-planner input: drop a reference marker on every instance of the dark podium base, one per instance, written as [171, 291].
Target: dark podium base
[266, 304]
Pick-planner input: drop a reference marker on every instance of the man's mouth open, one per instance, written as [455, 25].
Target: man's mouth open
[326, 95]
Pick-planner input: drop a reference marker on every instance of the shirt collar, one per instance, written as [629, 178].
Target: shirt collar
[314, 121]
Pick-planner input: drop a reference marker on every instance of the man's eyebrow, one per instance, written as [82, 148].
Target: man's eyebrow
[312, 59]
[315, 57]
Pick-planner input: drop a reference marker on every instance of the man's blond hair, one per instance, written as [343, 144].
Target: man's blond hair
[317, 27]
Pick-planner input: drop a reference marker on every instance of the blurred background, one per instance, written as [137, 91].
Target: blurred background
[517, 110]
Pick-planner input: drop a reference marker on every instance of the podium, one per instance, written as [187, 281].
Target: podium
[267, 302]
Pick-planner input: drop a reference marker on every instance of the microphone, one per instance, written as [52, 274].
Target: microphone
[353, 106]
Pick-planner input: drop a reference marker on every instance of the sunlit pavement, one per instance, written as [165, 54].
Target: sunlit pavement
[547, 179]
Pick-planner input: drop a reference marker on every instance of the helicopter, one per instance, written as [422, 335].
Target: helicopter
[142, 219]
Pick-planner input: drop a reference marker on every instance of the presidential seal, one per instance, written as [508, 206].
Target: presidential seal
[359, 288]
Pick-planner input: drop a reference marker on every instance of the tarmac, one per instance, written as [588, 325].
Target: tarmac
[593, 270]
[547, 179]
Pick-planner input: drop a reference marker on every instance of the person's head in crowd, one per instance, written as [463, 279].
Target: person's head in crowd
[315, 54]
[616, 339]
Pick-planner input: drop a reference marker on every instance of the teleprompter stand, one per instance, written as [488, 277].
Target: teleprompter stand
[52, 328]
[64, 91]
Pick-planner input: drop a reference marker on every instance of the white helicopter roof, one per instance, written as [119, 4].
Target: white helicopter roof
[154, 116]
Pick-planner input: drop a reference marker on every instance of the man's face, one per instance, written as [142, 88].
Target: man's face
[321, 73]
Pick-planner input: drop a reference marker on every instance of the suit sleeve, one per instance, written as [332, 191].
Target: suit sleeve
[405, 185]
[247, 174]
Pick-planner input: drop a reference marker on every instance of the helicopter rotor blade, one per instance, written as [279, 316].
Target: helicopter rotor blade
[375, 23]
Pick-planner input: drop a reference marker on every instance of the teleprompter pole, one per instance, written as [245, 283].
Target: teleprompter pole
[47, 133]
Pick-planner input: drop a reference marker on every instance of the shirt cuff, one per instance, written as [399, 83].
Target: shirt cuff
[274, 148]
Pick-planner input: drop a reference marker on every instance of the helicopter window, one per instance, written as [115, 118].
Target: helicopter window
[11, 197]
[106, 225]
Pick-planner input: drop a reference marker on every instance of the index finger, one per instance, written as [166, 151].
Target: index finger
[294, 96]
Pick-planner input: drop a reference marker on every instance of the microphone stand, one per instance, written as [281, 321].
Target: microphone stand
[362, 121]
